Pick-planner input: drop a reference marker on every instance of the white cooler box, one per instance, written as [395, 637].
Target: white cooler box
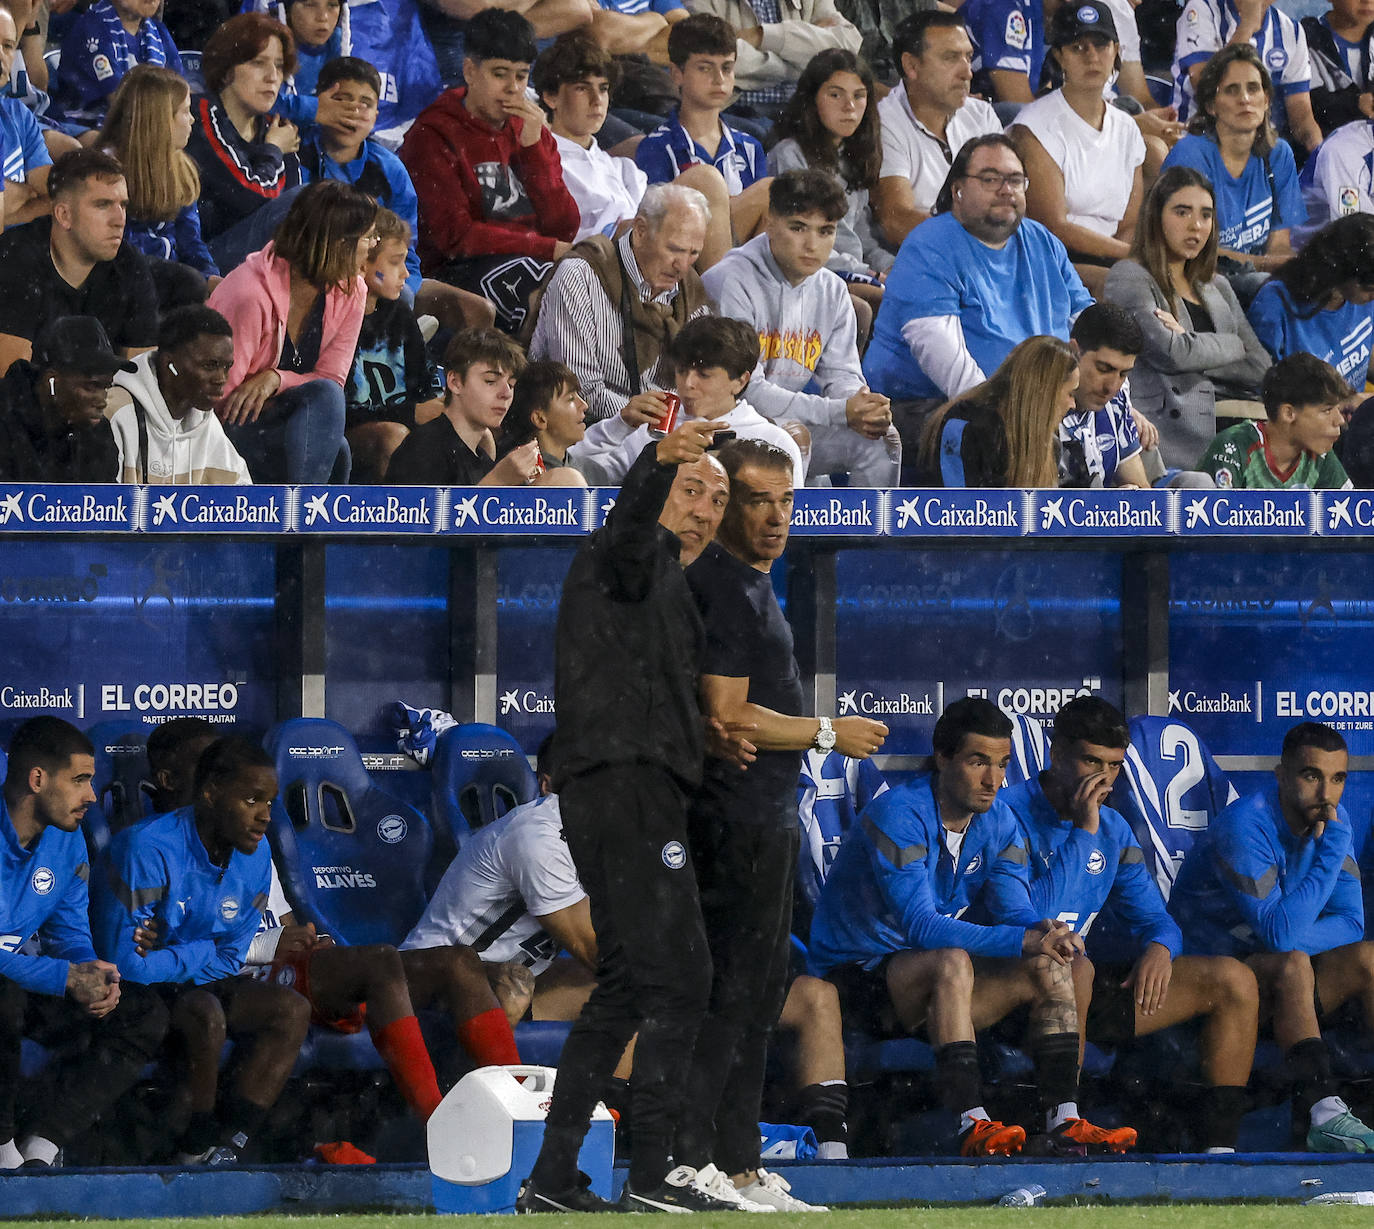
[484, 1137]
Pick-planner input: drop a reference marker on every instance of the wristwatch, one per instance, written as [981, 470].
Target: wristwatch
[825, 736]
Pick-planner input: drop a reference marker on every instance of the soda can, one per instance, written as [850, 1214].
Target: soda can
[538, 463]
[668, 420]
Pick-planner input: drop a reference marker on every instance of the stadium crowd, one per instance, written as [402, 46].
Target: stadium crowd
[284, 245]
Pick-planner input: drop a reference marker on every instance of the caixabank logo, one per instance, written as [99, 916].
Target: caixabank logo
[895, 701]
[1346, 514]
[1094, 513]
[378, 509]
[1247, 513]
[841, 512]
[956, 513]
[215, 509]
[1245, 701]
[58, 509]
[527, 510]
[522, 700]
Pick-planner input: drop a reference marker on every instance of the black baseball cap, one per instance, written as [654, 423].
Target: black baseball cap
[77, 343]
[1073, 21]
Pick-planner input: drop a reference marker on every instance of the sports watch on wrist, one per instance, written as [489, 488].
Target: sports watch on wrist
[825, 736]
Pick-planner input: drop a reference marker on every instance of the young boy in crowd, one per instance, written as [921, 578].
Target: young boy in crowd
[1303, 398]
[702, 50]
[547, 408]
[393, 385]
[101, 45]
[494, 210]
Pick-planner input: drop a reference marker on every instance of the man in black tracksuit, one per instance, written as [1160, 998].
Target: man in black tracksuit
[627, 750]
[743, 826]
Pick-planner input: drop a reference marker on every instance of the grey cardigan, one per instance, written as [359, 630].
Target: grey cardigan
[1174, 380]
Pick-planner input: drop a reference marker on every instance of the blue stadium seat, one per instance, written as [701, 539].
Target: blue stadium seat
[352, 857]
[1169, 790]
[479, 773]
[1029, 749]
[121, 772]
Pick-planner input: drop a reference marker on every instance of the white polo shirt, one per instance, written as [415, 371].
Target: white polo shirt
[605, 188]
[910, 149]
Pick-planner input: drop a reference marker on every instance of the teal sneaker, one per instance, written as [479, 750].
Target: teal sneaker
[1343, 1133]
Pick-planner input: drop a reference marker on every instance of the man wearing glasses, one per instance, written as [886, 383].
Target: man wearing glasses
[967, 286]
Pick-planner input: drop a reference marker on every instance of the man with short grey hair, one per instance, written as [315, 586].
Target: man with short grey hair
[612, 306]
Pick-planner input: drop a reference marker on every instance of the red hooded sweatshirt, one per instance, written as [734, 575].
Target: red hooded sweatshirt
[481, 192]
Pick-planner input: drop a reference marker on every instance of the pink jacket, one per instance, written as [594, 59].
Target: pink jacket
[255, 297]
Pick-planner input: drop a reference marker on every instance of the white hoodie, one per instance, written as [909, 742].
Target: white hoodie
[809, 364]
[194, 450]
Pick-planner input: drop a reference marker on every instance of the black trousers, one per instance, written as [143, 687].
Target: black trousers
[109, 1054]
[746, 874]
[626, 829]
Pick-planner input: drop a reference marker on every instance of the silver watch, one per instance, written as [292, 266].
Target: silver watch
[825, 736]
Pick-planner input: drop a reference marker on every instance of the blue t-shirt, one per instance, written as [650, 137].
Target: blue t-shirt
[1339, 336]
[42, 892]
[1001, 296]
[669, 150]
[21, 141]
[1249, 885]
[1245, 206]
[1007, 35]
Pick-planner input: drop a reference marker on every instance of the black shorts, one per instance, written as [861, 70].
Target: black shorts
[1111, 1014]
[865, 1003]
[361, 416]
[225, 990]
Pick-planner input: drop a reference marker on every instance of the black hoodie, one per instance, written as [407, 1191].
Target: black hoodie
[38, 446]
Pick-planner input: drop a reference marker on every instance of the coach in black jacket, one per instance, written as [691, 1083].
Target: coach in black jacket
[628, 747]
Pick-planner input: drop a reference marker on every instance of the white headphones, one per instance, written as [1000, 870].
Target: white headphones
[172, 367]
[52, 387]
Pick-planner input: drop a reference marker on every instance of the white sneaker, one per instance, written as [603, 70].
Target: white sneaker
[774, 1191]
[711, 1181]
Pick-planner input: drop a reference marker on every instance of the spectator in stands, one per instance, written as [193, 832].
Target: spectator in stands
[77, 262]
[1008, 50]
[339, 144]
[1336, 180]
[1273, 881]
[635, 27]
[1099, 444]
[889, 931]
[1084, 858]
[1001, 433]
[1210, 27]
[494, 210]
[393, 384]
[1340, 43]
[1199, 347]
[53, 428]
[320, 29]
[148, 125]
[26, 158]
[774, 43]
[702, 50]
[57, 989]
[1322, 300]
[831, 124]
[458, 446]
[548, 408]
[946, 317]
[926, 120]
[644, 278]
[296, 308]
[183, 899]
[809, 373]
[743, 835]
[713, 359]
[1251, 171]
[101, 46]
[446, 24]
[162, 411]
[1304, 398]
[246, 155]
[1082, 154]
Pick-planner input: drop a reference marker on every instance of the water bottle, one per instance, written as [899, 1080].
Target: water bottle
[1022, 1197]
[1363, 1198]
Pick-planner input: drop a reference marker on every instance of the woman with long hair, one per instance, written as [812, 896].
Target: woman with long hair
[296, 308]
[1254, 176]
[146, 128]
[1322, 300]
[246, 155]
[831, 124]
[1001, 433]
[1082, 155]
[1198, 345]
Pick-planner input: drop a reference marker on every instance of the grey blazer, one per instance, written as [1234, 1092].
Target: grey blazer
[1175, 379]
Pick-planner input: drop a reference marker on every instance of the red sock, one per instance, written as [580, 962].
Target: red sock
[403, 1050]
[489, 1040]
